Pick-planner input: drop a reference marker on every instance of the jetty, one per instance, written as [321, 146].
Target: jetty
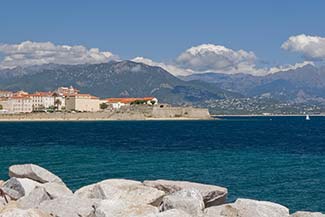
[33, 191]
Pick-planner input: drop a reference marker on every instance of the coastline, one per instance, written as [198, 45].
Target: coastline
[34, 191]
[270, 115]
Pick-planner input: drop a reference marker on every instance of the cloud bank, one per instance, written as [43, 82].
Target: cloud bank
[197, 59]
[30, 53]
[219, 59]
[311, 47]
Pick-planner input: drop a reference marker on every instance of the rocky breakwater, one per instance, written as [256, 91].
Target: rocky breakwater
[33, 191]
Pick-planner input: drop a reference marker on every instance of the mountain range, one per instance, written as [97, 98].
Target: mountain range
[299, 85]
[113, 79]
[131, 79]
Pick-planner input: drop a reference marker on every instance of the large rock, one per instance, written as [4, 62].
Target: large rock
[56, 190]
[307, 214]
[131, 192]
[15, 212]
[19, 187]
[68, 207]
[188, 200]
[34, 198]
[13, 188]
[212, 195]
[118, 208]
[34, 172]
[247, 208]
[171, 213]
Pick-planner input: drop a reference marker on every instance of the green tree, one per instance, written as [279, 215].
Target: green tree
[57, 103]
[103, 106]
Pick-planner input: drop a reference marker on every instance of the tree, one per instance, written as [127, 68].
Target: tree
[103, 106]
[57, 103]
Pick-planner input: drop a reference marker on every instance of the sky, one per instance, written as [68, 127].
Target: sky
[184, 37]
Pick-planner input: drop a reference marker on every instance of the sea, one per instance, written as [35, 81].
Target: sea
[278, 159]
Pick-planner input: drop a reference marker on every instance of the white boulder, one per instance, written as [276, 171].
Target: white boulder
[34, 172]
[247, 208]
[33, 199]
[13, 188]
[68, 207]
[212, 195]
[118, 208]
[55, 190]
[171, 213]
[188, 200]
[15, 212]
[132, 192]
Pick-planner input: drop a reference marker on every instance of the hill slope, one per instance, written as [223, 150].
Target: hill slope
[114, 79]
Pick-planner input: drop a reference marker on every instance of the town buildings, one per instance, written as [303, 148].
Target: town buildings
[17, 104]
[63, 98]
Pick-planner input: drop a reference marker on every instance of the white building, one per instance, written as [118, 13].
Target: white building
[17, 104]
[82, 102]
[117, 103]
[42, 100]
[4, 93]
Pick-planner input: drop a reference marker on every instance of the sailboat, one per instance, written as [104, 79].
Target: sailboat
[307, 118]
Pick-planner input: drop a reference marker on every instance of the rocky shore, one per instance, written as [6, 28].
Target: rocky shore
[33, 191]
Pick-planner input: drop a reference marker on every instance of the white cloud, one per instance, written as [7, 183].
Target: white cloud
[312, 47]
[36, 53]
[289, 67]
[217, 58]
[168, 67]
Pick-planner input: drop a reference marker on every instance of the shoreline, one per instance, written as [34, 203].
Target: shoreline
[109, 120]
[34, 191]
[274, 115]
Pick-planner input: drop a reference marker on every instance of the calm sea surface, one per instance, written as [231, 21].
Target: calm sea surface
[281, 159]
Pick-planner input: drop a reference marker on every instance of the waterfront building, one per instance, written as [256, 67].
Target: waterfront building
[82, 102]
[17, 104]
[42, 100]
[117, 103]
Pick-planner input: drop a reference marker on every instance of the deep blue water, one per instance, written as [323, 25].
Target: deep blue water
[280, 160]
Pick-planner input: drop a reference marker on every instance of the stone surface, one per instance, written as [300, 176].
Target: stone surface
[132, 192]
[55, 190]
[188, 200]
[247, 208]
[307, 214]
[68, 207]
[171, 213]
[33, 199]
[15, 212]
[118, 208]
[19, 187]
[13, 189]
[212, 195]
[34, 172]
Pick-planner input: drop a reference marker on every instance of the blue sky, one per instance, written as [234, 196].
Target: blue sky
[162, 30]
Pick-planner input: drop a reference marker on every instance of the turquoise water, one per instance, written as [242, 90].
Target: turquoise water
[280, 160]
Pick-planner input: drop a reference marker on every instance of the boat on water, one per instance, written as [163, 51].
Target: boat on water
[307, 118]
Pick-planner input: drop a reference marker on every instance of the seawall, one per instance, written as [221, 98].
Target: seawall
[125, 113]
